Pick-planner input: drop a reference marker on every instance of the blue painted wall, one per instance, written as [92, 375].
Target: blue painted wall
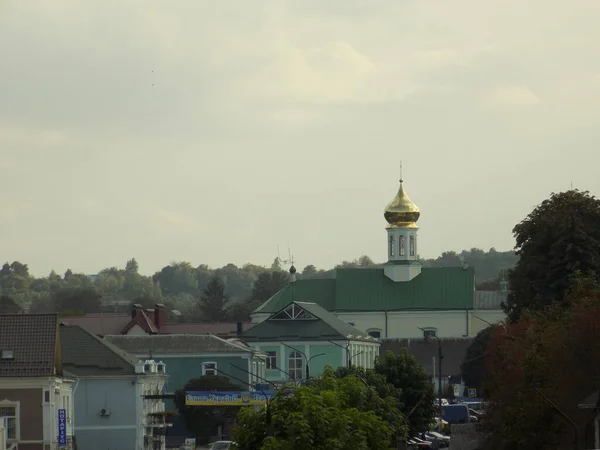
[117, 395]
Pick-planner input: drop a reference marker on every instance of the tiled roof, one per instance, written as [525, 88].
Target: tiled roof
[85, 354]
[33, 339]
[159, 344]
[368, 289]
[112, 324]
[453, 352]
[326, 326]
[145, 322]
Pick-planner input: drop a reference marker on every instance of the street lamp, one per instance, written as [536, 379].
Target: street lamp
[428, 335]
[347, 348]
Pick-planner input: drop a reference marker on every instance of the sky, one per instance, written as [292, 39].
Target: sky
[214, 132]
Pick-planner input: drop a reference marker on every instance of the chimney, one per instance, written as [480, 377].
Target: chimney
[240, 329]
[160, 315]
[136, 311]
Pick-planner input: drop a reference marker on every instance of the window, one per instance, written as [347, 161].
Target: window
[9, 411]
[392, 246]
[209, 368]
[295, 366]
[375, 333]
[271, 360]
[429, 332]
[46, 396]
[402, 250]
[254, 373]
[412, 246]
[7, 354]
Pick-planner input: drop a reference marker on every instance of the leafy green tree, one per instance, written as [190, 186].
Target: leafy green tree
[473, 367]
[268, 284]
[8, 305]
[558, 238]
[84, 299]
[417, 393]
[203, 421]
[330, 413]
[177, 278]
[214, 303]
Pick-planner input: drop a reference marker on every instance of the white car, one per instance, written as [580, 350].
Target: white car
[222, 445]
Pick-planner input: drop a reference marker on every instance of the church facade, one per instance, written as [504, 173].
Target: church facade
[402, 299]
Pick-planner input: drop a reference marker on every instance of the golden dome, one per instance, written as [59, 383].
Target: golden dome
[401, 212]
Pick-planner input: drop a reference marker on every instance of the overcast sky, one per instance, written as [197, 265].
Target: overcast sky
[213, 131]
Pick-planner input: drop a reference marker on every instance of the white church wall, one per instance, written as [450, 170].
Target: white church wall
[406, 324]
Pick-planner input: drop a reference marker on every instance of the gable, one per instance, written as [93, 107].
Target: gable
[360, 289]
[303, 321]
[136, 330]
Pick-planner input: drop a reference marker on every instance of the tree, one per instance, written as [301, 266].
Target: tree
[8, 305]
[554, 351]
[268, 284]
[203, 421]
[132, 266]
[473, 367]
[214, 302]
[559, 237]
[330, 413]
[81, 299]
[417, 394]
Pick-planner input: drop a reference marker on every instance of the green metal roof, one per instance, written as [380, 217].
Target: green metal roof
[324, 325]
[368, 289]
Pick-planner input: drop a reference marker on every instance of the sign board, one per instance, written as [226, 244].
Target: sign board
[227, 398]
[62, 428]
[472, 393]
[190, 444]
[456, 390]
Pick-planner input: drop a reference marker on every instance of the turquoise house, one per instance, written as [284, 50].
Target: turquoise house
[302, 338]
[188, 356]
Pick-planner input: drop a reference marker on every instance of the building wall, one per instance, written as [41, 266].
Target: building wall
[39, 400]
[406, 324]
[333, 355]
[116, 395]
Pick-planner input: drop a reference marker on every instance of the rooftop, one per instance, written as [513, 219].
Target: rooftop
[29, 345]
[368, 289]
[85, 354]
[303, 321]
[160, 344]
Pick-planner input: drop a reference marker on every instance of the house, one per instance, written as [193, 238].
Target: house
[401, 299]
[302, 338]
[150, 321]
[190, 356]
[36, 394]
[111, 410]
[425, 351]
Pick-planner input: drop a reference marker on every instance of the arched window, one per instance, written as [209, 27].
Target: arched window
[412, 246]
[402, 251]
[392, 246]
[375, 332]
[295, 366]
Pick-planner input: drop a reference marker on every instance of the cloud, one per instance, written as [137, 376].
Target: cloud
[510, 97]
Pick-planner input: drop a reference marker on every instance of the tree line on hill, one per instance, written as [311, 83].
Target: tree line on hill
[194, 293]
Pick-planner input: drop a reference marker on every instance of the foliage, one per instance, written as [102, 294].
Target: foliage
[416, 390]
[555, 350]
[214, 302]
[180, 285]
[473, 367]
[203, 421]
[331, 413]
[559, 237]
[8, 305]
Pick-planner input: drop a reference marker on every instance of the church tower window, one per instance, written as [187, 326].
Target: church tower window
[392, 253]
[402, 250]
[412, 246]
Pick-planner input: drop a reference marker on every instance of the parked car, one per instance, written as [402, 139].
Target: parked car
[222, 445]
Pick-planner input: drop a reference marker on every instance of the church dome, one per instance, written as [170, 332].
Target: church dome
[401, 212]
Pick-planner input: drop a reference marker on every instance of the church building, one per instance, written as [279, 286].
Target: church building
[401, 299]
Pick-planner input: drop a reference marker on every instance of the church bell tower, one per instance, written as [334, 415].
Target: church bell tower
[402, 215]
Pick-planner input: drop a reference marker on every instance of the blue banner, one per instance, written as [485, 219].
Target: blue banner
[226, 398]
[62, 428]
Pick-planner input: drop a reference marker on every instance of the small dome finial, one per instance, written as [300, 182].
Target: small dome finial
[401, 212]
